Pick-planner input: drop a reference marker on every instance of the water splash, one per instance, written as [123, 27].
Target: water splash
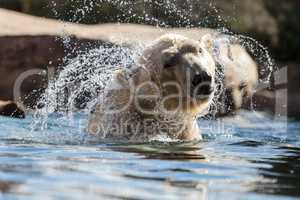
[81, 81]
[84, 77]
[258, 51]
[170, 13]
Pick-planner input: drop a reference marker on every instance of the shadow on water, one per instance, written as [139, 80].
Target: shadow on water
[164, 151]
[6, 186]
[162, 155]
[279, 174]
[285, 169]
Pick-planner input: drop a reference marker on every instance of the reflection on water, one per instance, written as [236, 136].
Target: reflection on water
[285, 169]
[246, 165]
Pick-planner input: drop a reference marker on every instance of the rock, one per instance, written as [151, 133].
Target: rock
[29, 57]
[293, 89]
[242, 16]
[11, 109]
[113, 33]
[26, 57]
[28, 62]
[264, 100]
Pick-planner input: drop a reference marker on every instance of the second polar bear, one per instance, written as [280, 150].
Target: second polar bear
[163, 94]
[240, 75]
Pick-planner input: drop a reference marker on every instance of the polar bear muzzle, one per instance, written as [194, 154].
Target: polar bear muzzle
[191, 73]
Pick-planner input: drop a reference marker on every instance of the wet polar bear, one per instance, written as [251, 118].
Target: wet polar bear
[162, 95]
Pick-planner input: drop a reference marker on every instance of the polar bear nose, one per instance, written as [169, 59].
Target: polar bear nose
[202, 84]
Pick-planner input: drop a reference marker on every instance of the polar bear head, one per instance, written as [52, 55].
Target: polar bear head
[240, 75]
[181, 71]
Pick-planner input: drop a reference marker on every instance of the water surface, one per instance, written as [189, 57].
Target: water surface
[256, 158]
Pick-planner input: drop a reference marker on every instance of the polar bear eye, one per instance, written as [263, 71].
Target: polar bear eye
[200, 50]
[171, 62]
[242, 86]
[167, 65]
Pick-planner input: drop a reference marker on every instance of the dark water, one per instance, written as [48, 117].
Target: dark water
[256, 158]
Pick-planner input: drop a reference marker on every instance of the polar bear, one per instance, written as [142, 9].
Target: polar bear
[171, 84]
[237, 74]
[240, 75]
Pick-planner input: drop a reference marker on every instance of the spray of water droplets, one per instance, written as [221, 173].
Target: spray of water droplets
[84, 77]
[81, 81]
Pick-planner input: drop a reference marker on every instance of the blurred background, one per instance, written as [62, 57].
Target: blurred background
[275, 24]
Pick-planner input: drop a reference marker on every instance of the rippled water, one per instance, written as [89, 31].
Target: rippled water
[256, 158]
[251, 157]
